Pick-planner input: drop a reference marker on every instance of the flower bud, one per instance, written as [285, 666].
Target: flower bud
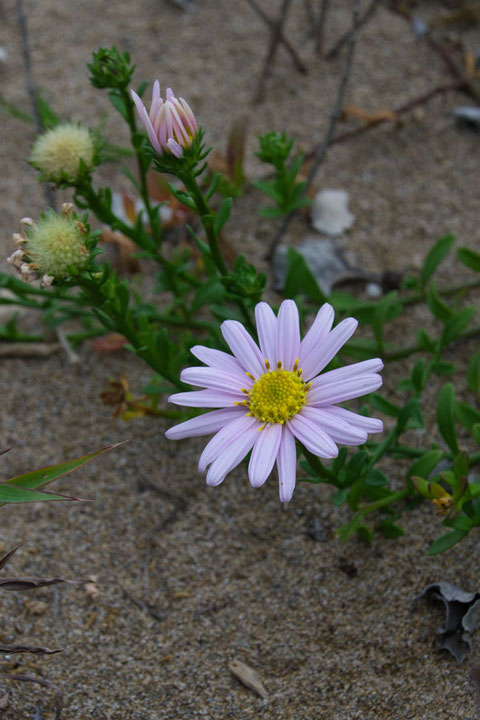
[170, 125]
[64, 153]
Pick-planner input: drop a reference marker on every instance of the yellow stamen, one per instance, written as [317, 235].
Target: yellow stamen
[277, 396]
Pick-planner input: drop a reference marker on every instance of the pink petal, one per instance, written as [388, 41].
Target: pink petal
[344, 390]
[170, 94]
[217, 359]
[174, 148]
[168, 120]
[286, 465]
[206, 399]
[339, 430]
[288, 334]
[347, 372]
[215, 379]
[189, 116]
[243, 347]
[222, 441]
[329, 347]
[179, 129]
[267, 332]
[368, 424]
[313, 340]
[150, 131]
[156, 95]
[138, 103]
[263, 454]
[228, 460]
[310, 435]
[204, 424]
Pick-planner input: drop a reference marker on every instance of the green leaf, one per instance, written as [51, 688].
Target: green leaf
[14, 111]
[470, 258]
[340, 496]
[212, 291]
[446, 541]
[118, 103]
[410, 416]
[456, 324]
[446, 416]
[48, 474]
[223, 214]
[467, 415]
[48, 117]
[425, 342]
[376, 478]
[425, 464]
[437, 307]
[390, 530]
[11, 494]
[476, 433]
[473, 373]
[301, 280]
[442, 368]
[438, 253]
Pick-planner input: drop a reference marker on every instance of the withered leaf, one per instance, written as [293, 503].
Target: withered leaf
[248, 677]
[11, 649]
[27, 583]
[462, 616]
[6, 558]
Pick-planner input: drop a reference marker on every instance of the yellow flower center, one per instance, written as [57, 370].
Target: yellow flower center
[277, 395]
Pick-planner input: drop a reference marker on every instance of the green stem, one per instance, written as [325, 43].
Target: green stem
[383, 502]
[383, 447]
[208, 221]
[446, 292]
[142, 168]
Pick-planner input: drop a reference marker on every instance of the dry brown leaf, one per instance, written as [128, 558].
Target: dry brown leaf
[28, 349]
[248, 677]
[109, 343]
[369, 117]
[125, 249]
[28, 583]
[11, 649]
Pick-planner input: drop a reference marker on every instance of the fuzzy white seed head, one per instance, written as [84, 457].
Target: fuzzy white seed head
[58, 153]
[56, 246]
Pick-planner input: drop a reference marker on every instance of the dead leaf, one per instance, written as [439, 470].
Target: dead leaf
[462, 616]
[369, 117]
[109, 343]
[6, 558]
[4, 702]
[248, 677]
[11, 649]
[28, 583]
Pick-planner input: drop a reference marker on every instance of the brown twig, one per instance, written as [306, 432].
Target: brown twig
[276, 33]
[334, 117]
[155, 614]
[299, 64]
[398, 111]
[44, 683]
[31, 88]
[362, 20]
[320, 26]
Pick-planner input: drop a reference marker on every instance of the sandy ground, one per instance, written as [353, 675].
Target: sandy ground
[227, 572]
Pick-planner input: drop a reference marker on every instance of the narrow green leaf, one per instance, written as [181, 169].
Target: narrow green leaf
[390, 530]
[437, 307]
[438, 253]
[470, 258]
[446, 416]
[11, 494]
[425, 464]
[301, 280]
[46, 475]
[457, 324]
[446, 541]
[467, 415]
[223, 214]
[473, 373]
[340, 496]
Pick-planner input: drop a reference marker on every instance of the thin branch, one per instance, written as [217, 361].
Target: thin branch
[320, 26]
[398, 111]
[31, 88]
[334, 117]
[362, 20]
[276, 33]
[299, 64]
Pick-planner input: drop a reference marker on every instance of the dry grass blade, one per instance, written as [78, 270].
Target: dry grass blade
[248, 677]
[28, 583]
[12, 649]
[6, 558]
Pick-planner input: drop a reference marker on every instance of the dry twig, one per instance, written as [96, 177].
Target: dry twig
[31, 89]
[276, 33]
[334, 117]
[320, 26]
[362, 20]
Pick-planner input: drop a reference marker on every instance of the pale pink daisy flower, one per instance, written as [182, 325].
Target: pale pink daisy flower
[170, 124]
[272, 394]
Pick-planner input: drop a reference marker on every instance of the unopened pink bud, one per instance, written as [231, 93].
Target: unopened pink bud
[170, 124]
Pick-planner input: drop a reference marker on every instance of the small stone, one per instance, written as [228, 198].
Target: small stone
[468, 115]
[330, 214]
[373, 291]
